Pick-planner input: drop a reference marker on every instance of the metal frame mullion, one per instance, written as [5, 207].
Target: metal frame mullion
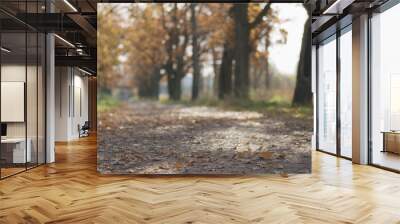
[317, 96]
[26, 87]
[45, 73]
[44, 79]
[37, 91]
[0, 96]
[338, 80]
[338, 34]
[369, 100]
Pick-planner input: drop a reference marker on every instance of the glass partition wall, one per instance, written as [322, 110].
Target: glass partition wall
[22, 98]
[385, 89]
[327, 95]
[334, 86]
[13, 145]
[345, 62]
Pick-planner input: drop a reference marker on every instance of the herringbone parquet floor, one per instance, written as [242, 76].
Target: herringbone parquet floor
[71, 191]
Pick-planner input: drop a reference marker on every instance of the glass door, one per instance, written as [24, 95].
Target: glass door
[327, 95]
[385, 89]
[22, 95]
[346, 92]
[14, 153]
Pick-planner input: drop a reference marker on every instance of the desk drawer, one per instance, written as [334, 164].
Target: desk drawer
[20, 155]
[392, 142]
[14, 152]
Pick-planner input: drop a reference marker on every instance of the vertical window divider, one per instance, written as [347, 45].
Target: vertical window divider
[37, 89]
[317, 97]
[26, 86]
[45, 92]
[0, 95]
[73, 92]
[338, 77]
[369, 89]
[69, 92]
[46, 35]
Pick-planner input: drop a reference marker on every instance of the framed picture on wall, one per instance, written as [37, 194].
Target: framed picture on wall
[12, 101]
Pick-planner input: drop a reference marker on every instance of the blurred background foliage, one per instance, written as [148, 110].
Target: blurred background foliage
[208, 54]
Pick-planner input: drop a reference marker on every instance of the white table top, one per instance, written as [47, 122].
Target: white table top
[13, 140]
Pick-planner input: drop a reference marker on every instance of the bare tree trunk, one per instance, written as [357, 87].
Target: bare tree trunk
[174, 87]
[242, 50]
[149, 88]
[268, 75]
[176, 56]
[225, 74]
[195, 57]
[216, 73]
[302, 94]
[242, 45]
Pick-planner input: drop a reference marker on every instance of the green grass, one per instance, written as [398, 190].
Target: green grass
[105, 103]
[274, 106]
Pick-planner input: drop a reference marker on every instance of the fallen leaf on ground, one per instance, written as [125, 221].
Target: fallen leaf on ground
[179, 165]
[284, 175]
[265, 155]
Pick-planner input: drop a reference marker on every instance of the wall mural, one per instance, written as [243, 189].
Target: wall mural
[202, 88]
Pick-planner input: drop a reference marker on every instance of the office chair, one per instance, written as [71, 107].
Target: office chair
[84, 130]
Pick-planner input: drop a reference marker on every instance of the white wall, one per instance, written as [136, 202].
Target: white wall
[50, 95]
[71, 87]
[62, 82]
[33, 126]
[16, 73]
[360, 90]
[10, 73]
[79, 110]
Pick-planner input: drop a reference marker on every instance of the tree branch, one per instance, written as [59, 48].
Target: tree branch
[260, 16]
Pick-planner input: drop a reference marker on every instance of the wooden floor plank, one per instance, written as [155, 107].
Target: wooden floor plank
[71, 191]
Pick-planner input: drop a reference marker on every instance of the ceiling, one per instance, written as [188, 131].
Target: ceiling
[332, 15]
[73, 21]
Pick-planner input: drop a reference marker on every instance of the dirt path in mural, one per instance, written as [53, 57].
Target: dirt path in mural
[153, 138]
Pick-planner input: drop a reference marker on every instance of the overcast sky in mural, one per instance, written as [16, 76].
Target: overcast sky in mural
[284, 57]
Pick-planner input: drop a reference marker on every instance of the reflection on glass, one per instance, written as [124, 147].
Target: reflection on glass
[385, 114]
[394, 102]
[15, 151]
[22, 92]
[41, 99]
[346, 94]
[327, 96]
[31, 101]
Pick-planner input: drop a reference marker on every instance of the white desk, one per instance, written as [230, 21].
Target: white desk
[19, 155]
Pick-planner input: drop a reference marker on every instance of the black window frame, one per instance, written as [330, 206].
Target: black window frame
[341, 27]
[31, 30]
